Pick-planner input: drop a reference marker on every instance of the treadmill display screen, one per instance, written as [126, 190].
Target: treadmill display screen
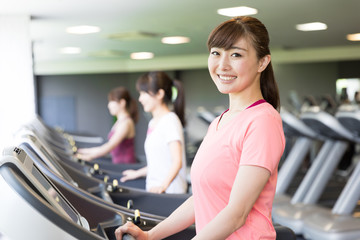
[62, 203]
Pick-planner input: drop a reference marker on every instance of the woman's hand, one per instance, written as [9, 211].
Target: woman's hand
[85, 154]
[129, 175]
[159, 189]
[131, 229]
[84, 157]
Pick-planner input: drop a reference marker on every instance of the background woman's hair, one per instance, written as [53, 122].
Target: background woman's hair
[152, 82]
[228, 33]
[119, 93]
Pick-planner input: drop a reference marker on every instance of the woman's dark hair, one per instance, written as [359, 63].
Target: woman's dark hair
[228, 33]
[152, 82]
[119, 93]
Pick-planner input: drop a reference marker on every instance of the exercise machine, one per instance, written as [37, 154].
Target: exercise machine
[304, 201]
[305, 136]
[339, 223]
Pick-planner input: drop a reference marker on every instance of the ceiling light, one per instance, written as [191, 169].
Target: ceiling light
[82, 29]
[237, 11]
[70, 50]
[175, 40]
[141, 55]
[353, 37]
[314, 26]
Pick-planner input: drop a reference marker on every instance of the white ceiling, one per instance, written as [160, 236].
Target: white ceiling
[191, 18]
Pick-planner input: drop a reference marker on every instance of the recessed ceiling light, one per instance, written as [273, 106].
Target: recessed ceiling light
[237, 11]
[175, 40]
[314, 26]
[70, 50]
[353, 37]
[141, 55]
[84, 29]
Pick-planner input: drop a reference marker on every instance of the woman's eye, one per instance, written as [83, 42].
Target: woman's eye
[214, 53]
[236, 55]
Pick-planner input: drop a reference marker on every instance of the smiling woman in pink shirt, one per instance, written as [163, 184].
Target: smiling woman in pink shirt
[234, 172]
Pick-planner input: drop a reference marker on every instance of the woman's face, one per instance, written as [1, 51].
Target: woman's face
[149, 102]
[114, 107]
[237, 69]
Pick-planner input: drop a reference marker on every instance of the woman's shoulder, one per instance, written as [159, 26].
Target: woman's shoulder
[263, 114]
[171, 116]
[264, 110]
[171, 121]
[124, 123]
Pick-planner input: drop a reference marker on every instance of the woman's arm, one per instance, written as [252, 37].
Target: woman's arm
[179, 220]
[131, 174]
[176, 158]
[249, 182]
[120, 133]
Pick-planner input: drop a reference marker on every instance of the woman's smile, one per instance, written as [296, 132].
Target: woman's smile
[226, 78]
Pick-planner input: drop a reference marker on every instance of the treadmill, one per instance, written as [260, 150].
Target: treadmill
[339, 223]
[94, 169]
[158, 204]
[305, 136]
[205, 115]
[62, 137]
[32, 207]
[66, 144]
[313, 185]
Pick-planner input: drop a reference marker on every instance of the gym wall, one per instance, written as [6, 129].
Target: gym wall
[88, 96]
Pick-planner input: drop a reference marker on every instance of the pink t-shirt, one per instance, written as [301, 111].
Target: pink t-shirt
[254, 137]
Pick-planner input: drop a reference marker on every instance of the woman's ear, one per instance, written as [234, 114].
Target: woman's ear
[160, 93]
[264, 62]
[122, 102]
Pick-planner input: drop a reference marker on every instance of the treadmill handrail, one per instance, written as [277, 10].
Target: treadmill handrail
[297, 124]
[330, 121]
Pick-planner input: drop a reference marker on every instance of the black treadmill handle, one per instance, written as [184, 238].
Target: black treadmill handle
[128, 237]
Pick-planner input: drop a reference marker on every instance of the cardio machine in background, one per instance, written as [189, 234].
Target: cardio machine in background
[341, 221]
[290, 170]
[33, 207]
[116, 194]
[305, 202]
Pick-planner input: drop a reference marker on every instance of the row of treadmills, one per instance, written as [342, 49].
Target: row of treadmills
[47, 193]
[324, 205]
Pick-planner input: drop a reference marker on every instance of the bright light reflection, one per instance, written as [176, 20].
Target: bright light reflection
[175, 40]
[353, 37]
[141, 55]
[237, 11]
[70, 50]
[84, 29]
[314, 26]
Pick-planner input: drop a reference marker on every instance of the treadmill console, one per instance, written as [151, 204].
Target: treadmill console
[41, 184]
